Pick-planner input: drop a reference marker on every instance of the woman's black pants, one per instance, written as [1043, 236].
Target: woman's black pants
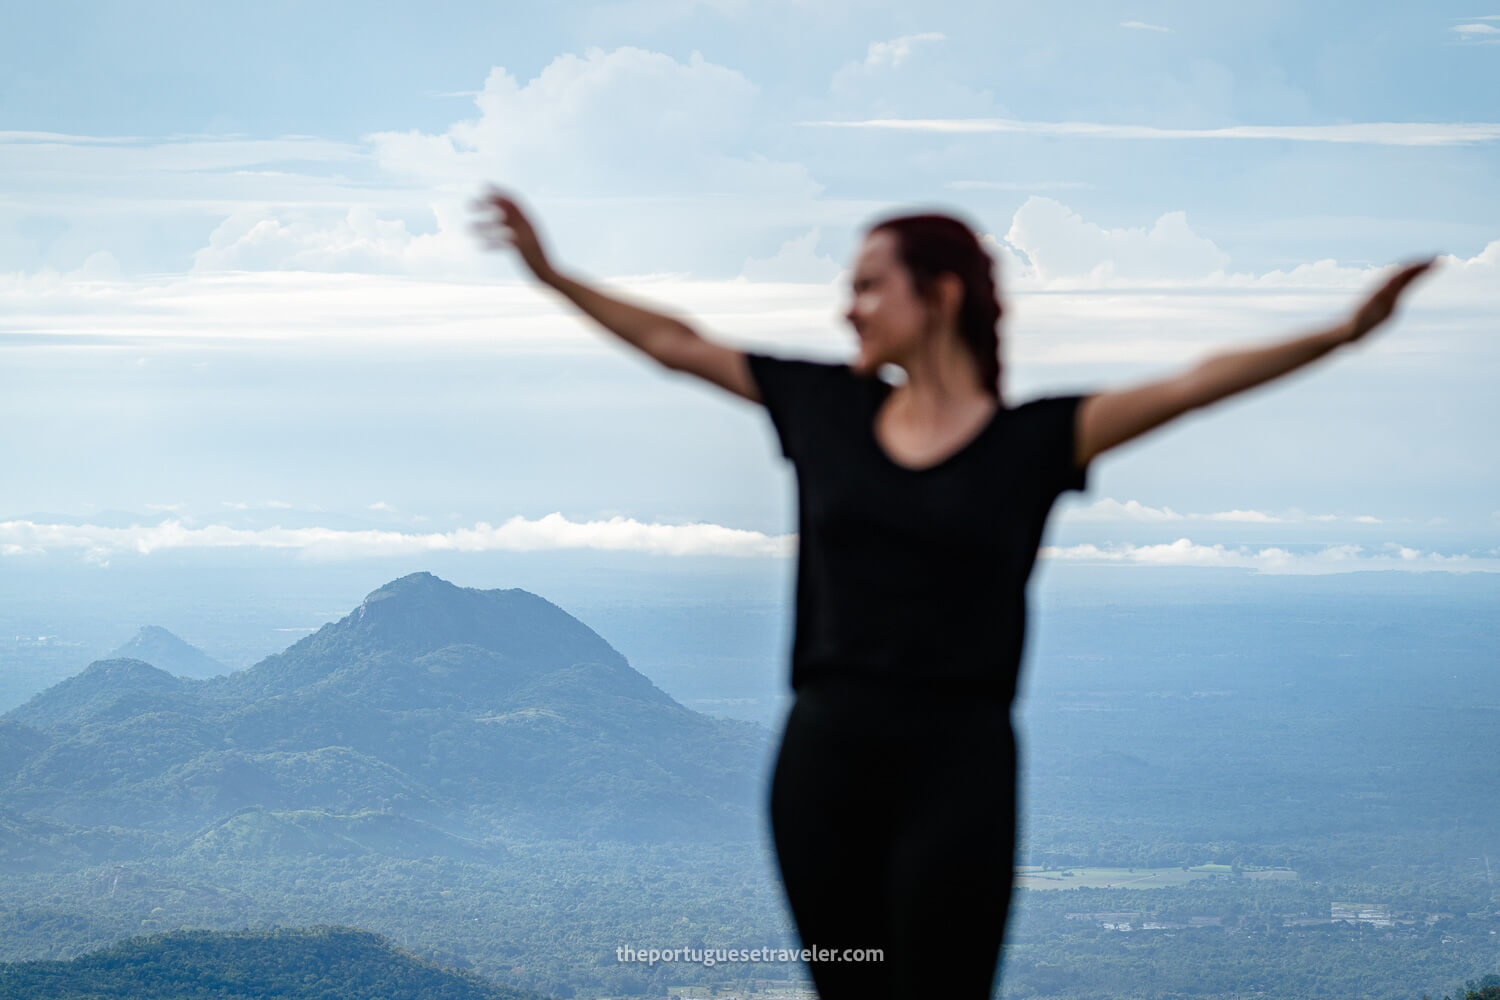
[893, 814]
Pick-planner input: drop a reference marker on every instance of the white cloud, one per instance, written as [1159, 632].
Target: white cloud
[1160, 292]
[1475, 29]
[627, 121]
[1272, 559]
[624, 154]
[797, 260]
[1248, 516]
[97, 269]
[1143, 25]
[1109, 509]
[1378, 133]
[289, 305]
[1050, 248]
[516, 535]
[620, 156]
[888, 55]
[17, 138]
[178, 154]
[256, 505]
[554, 531]
[359, 242]
[1059, 243]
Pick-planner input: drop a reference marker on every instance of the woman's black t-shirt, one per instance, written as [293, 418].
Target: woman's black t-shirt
[913, 575]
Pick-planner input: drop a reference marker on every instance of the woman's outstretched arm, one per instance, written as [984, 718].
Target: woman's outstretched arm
[666, 339]
[1107, 419]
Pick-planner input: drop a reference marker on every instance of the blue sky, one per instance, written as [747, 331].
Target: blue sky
[240, 307]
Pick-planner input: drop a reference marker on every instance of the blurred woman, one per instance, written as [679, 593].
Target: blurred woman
[921, 508]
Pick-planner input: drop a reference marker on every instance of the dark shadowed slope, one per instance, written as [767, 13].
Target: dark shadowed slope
[316, 963]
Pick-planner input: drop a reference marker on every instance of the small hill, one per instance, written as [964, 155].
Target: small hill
[160, 648]
[315, 963]
[71, 702]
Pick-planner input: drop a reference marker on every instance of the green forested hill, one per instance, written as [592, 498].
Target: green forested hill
[326, 963]
[66, 705]
[463, 717]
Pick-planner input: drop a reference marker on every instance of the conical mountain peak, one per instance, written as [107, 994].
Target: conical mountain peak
[421, 614]
[160, 648]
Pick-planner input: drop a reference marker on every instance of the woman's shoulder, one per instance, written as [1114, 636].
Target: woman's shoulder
[805, 398]
[803, 366]
[775, 375]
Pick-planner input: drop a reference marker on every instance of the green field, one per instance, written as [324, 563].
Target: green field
[1136, 878]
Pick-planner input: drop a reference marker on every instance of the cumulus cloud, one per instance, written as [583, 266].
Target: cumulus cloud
[622, 153]
[623, 122]
[518, 534]
[797, 260]
[360, 241]
[1049, 247]
[1057, 242]
[620, 156]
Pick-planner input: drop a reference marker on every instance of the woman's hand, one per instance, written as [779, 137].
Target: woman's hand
[1378, 307]
[504, 224]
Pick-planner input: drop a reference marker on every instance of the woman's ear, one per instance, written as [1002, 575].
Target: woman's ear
[951, 288]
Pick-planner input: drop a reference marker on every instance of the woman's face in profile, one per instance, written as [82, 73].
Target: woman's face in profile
[885, 312]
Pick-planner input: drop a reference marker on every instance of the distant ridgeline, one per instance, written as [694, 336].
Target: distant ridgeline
[433, 720]
[317, 963]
